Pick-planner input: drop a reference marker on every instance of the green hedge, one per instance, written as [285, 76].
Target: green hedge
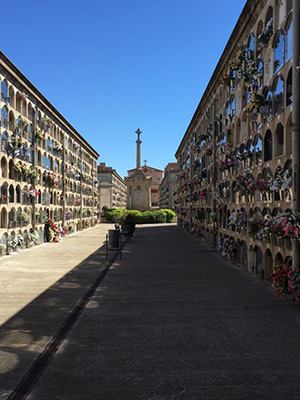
[146, 217]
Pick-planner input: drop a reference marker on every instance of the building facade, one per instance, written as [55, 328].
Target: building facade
[112, 189]
[156, 177]
[48, 169]
[236, 156]
[168, 188]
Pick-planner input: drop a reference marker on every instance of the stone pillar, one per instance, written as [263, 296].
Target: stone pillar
[138, 149]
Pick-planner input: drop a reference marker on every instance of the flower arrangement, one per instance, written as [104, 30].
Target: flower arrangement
[235, 218]
[32, 193]
[20, 240]
[22, 126]
[283, 179]
[227, 163]
[280, 279]
[57, 148]
[263, 185]
[33, 236]
[249, 73]
[53, 231]
[68, 215]
[256, 101]
[18, 169]
[23, 216]
[16, 141]
[22, 96]
[50, 179]
[39, 135]
[3, 197]
[47, 123]
[227, 80]
[13, 243]
[285, 225]
[236, 62]
[32, 173]
[286, 282]
[255, 226]
[208, 151]
[245, 155]
[264, 37]
[229, 248]
[245, 184]
[213, 217]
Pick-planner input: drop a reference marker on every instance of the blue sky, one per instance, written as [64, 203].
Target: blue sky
[112, 66]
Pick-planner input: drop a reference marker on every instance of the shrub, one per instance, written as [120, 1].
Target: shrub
[170, 215]
[137, 216]
[146, 217]
[160, 216]
[114, 214]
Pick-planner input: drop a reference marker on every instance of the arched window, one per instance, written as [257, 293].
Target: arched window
[49, 147]
[23, 108]
[260, 69]
[268, 146]
[4, 92]
[289, 87]
[18, 102]
[30, 133]
[11, 94]
[251, 47]
[18, 194]
[278, 96]
[4, 141]
[269, 18]
[11, 194]
[289, 40]
[48, 162]
[278, 52]
[279, 141]
[30, 112]
[4, 117]
[232, 106]
[267, 110]
[11, 121]
[12, 218]
[44, 161]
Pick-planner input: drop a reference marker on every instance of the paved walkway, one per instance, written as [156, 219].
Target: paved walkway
[172, 320]
[39, 287]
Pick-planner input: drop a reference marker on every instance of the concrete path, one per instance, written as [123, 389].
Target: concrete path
[39, 287]
[172, 320]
